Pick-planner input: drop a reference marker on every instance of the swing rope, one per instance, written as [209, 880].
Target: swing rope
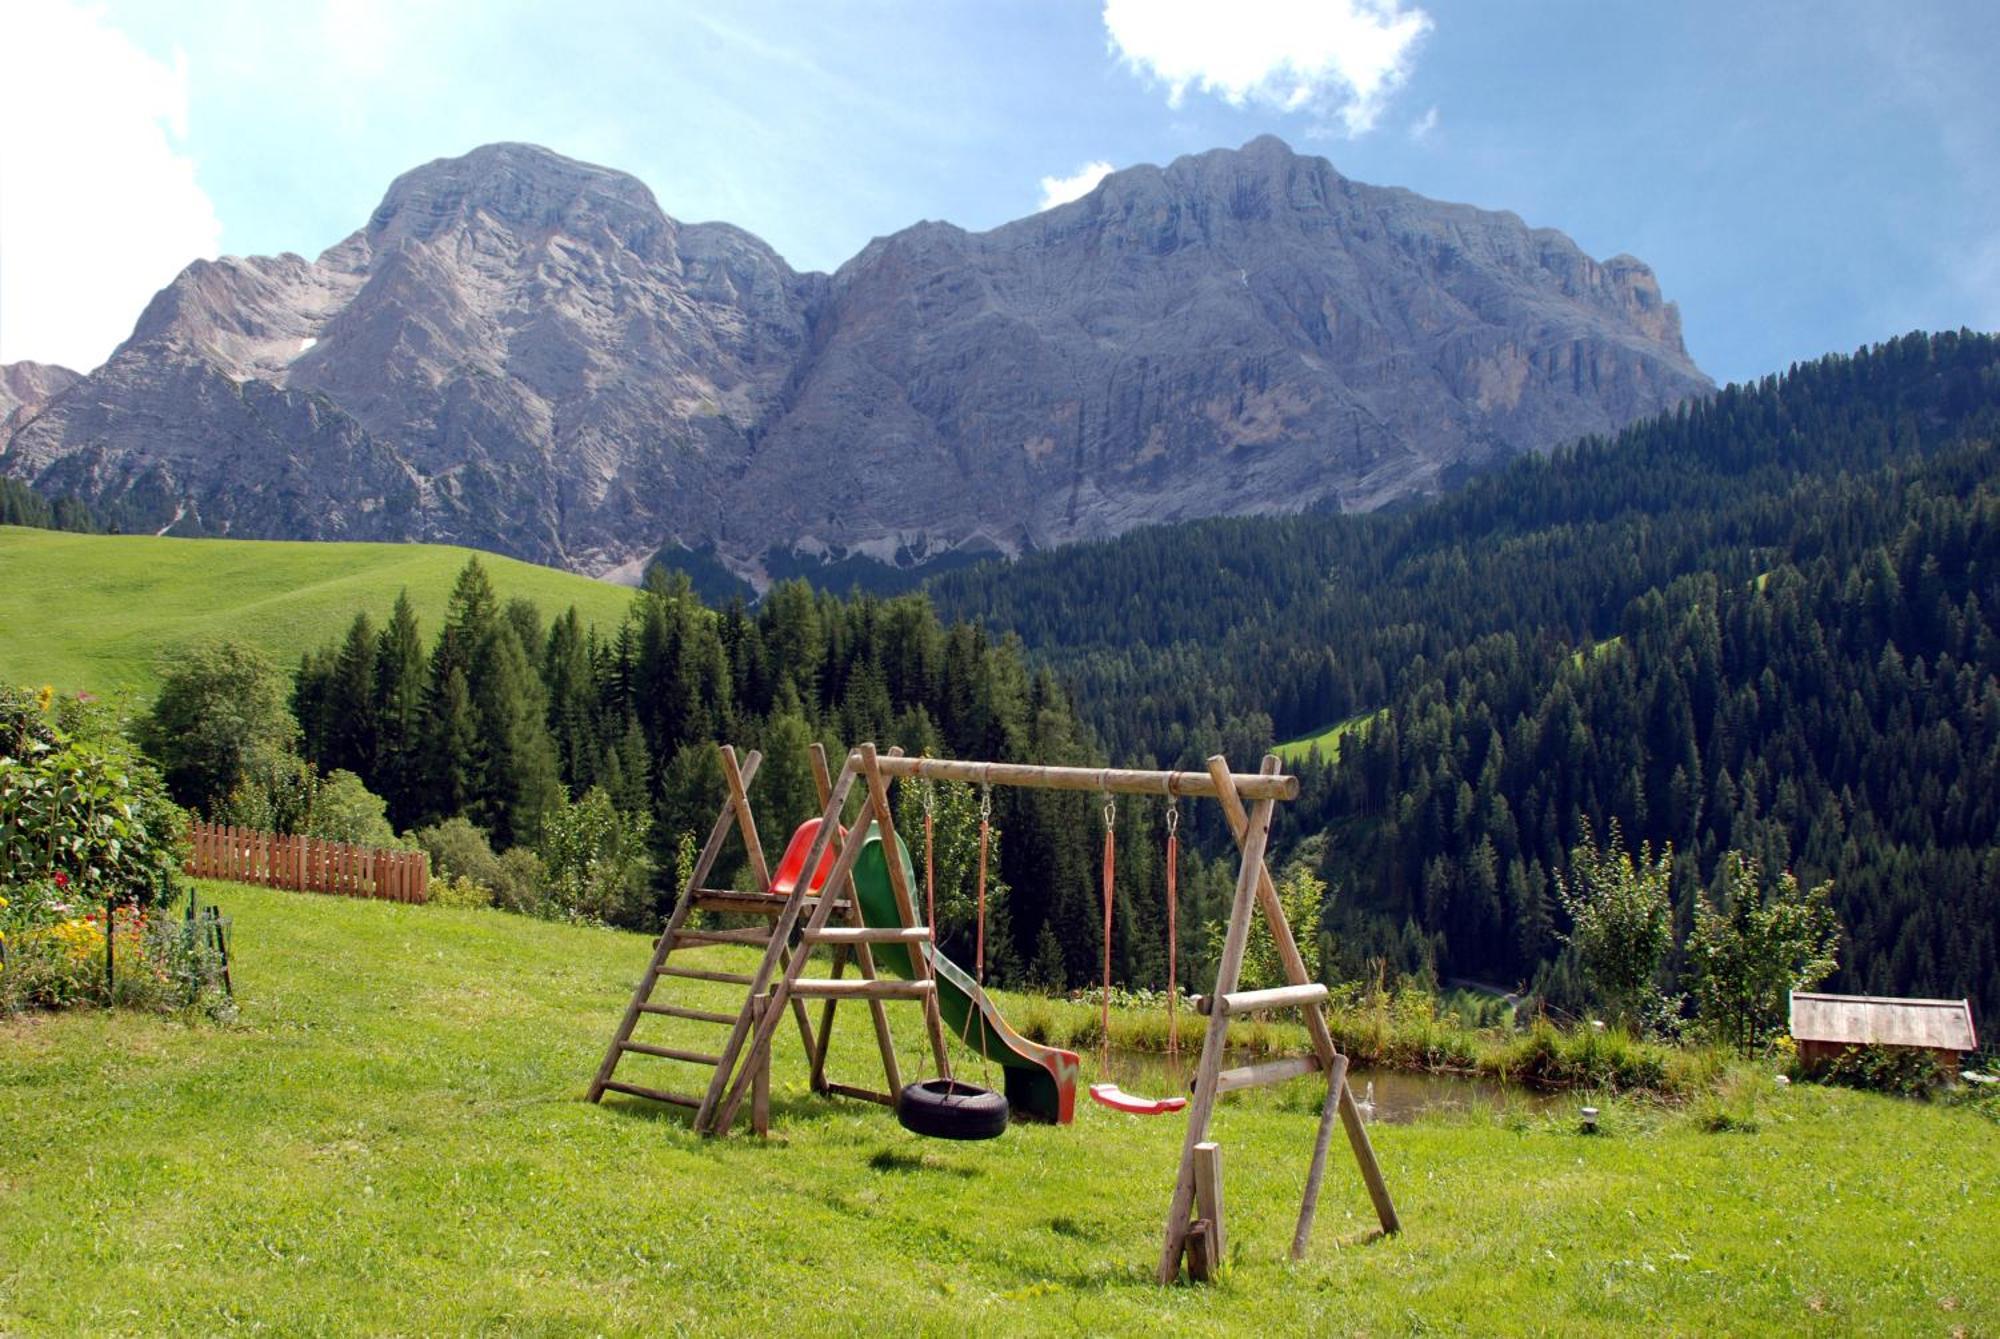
[1106, 1092]
[979, 933]
[930, 857]
[1173, 938]
[1110, 873]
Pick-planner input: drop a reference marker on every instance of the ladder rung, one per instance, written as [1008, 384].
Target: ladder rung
[656, 1094]
[826, 988]
[753, 936]
[1270, 1071]
[915, 934]
[754, 904]
[669, 1053]
[696, 1015]
[703, 974]
[1252, 1001]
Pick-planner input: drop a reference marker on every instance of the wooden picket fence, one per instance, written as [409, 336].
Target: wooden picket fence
[307, 864]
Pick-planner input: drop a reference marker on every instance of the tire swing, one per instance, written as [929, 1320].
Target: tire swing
[1107, 1093]
[945, 1108]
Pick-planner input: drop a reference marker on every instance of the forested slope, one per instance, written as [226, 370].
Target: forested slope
[1788, 594]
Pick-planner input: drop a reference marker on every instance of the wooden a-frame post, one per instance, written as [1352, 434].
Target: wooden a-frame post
[1252, 830]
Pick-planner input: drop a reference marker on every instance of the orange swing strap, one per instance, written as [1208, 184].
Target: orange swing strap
[930, 858]
[1110, 876]
[1173, 937]
[1105, 1092]
[979, 938]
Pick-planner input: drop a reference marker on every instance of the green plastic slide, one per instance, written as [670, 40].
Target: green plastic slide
[1040, 1080]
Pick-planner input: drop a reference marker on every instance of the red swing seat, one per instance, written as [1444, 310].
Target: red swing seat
[1111, 1095]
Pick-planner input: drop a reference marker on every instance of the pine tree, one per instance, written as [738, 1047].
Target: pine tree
[351, 731]
[519, 780]
[398, 767]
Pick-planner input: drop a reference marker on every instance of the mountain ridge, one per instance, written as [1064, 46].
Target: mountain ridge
[523, 352]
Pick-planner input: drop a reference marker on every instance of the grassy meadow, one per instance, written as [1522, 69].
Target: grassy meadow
[98, 611]
[390, 1139]
[1326, 742]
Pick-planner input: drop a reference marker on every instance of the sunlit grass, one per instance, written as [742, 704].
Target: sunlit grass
[98, 611]
[392, 1141]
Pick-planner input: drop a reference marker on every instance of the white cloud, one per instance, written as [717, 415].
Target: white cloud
[1340, 59]
[99, 207]
[1421, 128]
[1062, 190]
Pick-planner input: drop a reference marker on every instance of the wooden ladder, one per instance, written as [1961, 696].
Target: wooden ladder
[677, 935]
[787, 947]
[784, 979]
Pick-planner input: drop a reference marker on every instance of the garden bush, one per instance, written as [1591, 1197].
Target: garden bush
[455, 890]
[88, 838]
[457, 847]
[1901, 1070]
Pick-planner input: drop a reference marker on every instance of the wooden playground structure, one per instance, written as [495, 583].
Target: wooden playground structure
[801, 902]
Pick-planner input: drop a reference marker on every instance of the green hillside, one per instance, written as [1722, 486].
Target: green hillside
[98, 611]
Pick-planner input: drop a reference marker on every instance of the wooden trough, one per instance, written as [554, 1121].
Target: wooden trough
[1825, 1026]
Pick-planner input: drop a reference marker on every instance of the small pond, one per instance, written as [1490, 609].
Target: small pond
[1399, 1096]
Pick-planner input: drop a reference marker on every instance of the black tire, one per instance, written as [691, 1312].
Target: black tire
[945, 1109]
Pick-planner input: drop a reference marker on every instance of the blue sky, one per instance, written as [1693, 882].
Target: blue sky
[1803, 177]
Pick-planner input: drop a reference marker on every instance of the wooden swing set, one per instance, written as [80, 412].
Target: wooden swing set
[803, 897]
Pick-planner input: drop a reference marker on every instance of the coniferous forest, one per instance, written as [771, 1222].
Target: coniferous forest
[1762, 624]
[1765, 623]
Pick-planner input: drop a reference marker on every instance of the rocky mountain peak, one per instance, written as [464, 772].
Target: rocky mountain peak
[526, 189]
[523, 352]
[24, 388]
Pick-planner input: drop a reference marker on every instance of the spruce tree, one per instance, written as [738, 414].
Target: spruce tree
[398, 768]
[351, 731]
[519, 780]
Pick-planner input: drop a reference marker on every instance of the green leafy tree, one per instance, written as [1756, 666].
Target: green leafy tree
[1621, 919]
[79, 803]
[221, 715]
[595, 861]
[955, 856]
[345, 810]
[1303, 895]
[1754, 945]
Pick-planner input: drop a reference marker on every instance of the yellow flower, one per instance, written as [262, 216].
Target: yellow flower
[46, 696]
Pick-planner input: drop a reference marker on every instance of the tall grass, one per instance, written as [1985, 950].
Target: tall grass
[1402, 1030]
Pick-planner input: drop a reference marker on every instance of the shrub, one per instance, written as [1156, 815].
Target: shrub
[1621, 911]
[52, 954]
[1753, 947]
[1901, 1070]
[455, 890]
[456, 847]
[518, 885]
[595, 856]
[345, 810]
[81, 811]
[1303, 895]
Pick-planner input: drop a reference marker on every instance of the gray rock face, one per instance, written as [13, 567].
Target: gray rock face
[523, 353]
[24, 388]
